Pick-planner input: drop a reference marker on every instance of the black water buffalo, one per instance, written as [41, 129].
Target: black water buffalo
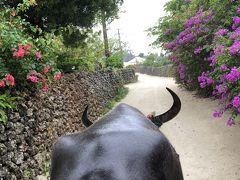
[123, 145]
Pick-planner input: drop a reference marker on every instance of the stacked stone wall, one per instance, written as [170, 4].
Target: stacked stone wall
[27, 138]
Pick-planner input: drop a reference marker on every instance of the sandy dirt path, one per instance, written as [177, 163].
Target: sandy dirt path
[209, 150]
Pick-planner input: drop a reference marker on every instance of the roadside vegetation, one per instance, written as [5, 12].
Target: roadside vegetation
[120, 94]
[203, 40]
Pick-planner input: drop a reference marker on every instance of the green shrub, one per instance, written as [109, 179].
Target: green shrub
[115, 61]
[6, 102]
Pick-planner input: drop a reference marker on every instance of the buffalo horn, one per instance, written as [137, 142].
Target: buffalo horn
[171, 113]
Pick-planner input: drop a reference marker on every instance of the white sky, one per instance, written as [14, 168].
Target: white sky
[139, 15]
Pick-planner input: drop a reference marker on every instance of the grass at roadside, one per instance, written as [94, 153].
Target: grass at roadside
[120, 94]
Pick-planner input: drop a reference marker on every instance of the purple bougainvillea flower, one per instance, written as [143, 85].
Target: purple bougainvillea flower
[230, 121]
[219, 49]
[224, 67]
[181, 70]
[238, 9]
[221, 88]
[236, 20]
[217, 114]
[198, 50]
[236, 101]
[234, 75]
[235, 48]
[221, 32]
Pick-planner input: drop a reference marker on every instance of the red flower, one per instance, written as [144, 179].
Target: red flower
[33, 78]
[21, 51]
[38, 55]
[32, 72]
[9, 79]
[44, 79]
[27, 47]
[2, 83]
[57, 76]
[45, 88]
[46, 69]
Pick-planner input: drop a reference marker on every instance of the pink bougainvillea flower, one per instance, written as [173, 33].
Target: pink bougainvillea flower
[2, 83]
[38, 55]
[45, 88]
[10, 79]
[57, 76]
[33, 78]
[46, 69]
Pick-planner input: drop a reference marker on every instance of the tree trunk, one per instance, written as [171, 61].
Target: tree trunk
[105, 37]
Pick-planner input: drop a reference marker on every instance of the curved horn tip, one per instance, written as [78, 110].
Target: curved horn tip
[171, 113]
[172, 92]
[86, 122]
[169, 90]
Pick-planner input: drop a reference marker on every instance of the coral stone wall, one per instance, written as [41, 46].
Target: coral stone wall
[26, 139]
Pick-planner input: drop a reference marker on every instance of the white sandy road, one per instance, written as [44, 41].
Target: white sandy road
[209, 150]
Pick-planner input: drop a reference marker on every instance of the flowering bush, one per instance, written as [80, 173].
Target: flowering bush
[204, 45]
[25, 62]
[21, 60]
[225, 72]
[192, 42]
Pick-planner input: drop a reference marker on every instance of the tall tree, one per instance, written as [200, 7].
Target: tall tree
[109, 12]
[52, 14]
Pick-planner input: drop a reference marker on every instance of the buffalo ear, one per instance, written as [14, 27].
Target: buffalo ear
[171, 113]
[86, 122]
